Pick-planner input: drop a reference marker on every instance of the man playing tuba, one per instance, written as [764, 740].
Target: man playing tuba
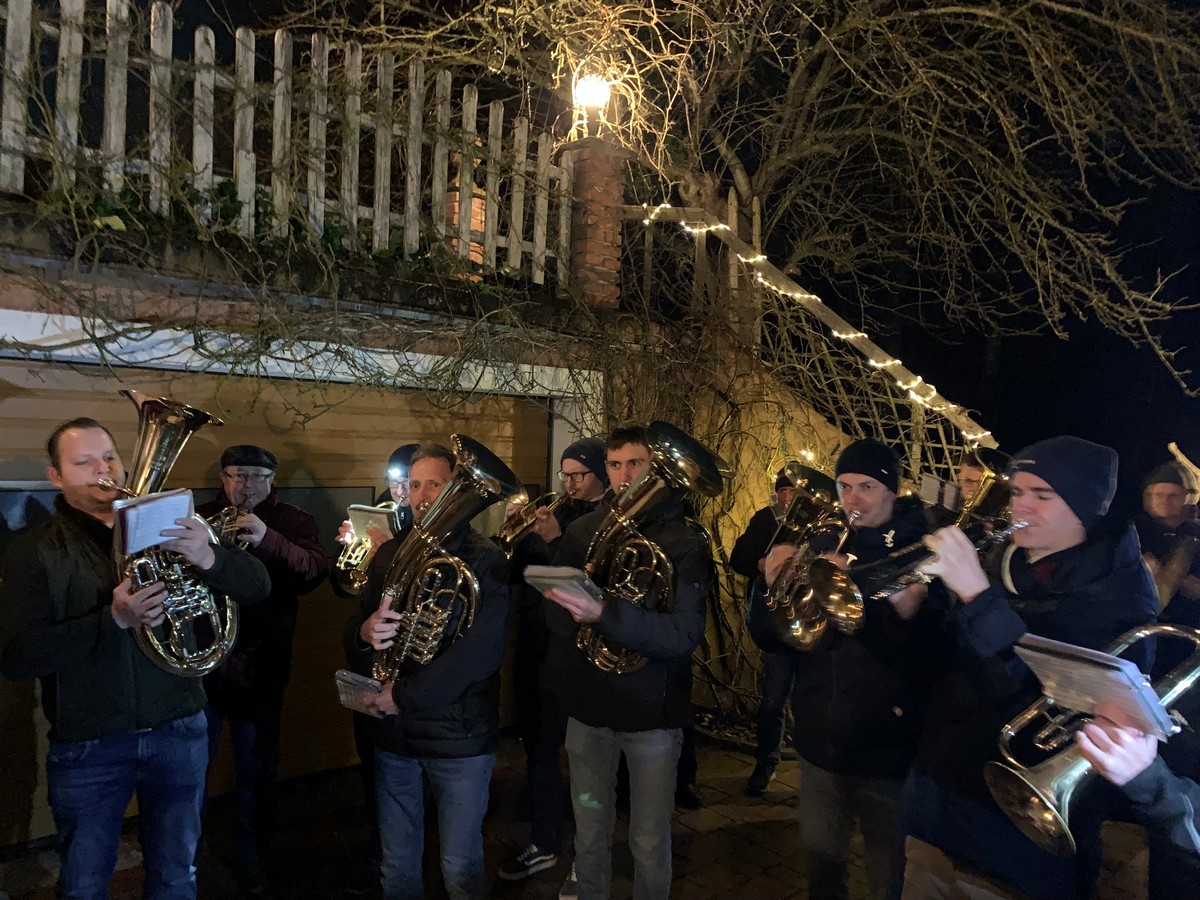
[643, 710]
[119, 723]
[440, 719]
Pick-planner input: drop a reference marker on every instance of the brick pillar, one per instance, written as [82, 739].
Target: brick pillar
[599, 192]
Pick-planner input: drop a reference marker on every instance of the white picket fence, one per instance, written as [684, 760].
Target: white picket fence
[516, 213]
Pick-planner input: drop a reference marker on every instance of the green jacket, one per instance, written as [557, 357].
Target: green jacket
[56, 585]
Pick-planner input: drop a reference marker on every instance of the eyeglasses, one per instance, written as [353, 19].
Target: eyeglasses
[570, 477]
[248, 477]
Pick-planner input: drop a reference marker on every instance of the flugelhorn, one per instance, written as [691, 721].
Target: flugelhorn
[521, 522]
[1038, 799]
[224, 525]
[164, 427]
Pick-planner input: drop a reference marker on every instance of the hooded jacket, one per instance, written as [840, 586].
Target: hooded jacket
[659, 694]
[858, 700]
[56, 624]
[1086, 595]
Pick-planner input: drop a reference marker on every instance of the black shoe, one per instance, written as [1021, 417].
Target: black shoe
[756, 784]
[529, 861]
[688, 797]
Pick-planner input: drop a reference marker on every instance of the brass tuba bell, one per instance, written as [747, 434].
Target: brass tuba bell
[164, 427]
[1038, 799]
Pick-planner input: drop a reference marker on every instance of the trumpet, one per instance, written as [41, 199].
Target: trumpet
[224, 524]
[522, 521]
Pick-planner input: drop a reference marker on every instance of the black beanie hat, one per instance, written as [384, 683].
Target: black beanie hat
[591, 453]
[1167, 473]
[401, 460]
[871, 458]
[248, 455]
[1084, 474]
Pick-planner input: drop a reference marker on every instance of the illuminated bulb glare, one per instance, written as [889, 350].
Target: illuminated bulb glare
[592, 91]
[395, 474]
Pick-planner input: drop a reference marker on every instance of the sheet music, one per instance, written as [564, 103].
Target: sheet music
[566, 578]
[142, 519]
[1078, 678]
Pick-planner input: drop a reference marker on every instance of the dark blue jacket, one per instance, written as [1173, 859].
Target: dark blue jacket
[1085, 595]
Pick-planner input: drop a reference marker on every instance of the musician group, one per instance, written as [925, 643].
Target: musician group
[892, 641]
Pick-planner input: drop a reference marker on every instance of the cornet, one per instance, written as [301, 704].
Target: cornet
[524, 519]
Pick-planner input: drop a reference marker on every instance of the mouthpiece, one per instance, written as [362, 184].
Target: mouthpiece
[113, 486]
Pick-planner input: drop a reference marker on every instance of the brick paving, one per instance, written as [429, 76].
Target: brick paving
[735, 846]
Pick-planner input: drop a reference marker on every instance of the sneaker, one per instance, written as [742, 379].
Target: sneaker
[569, 889]
[756, 784]
[529, 861]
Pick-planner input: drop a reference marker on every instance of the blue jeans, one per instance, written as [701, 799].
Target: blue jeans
[779, 671]
[652, 757]
[255, 742]
[460, 792]
[90, 784]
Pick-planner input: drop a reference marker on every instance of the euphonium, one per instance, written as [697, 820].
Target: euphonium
[355, 559]
[626, 564]
[164, 427]
[1038, 799]
[521, 522]
[434, 592]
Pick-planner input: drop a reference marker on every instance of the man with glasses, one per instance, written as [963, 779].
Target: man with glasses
[541, 722]
[249, 686]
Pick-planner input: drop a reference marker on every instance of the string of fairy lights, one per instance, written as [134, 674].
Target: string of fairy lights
[697, 222]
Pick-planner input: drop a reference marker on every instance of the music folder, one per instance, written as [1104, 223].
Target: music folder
[1078, 678]
[354, 691]
[571, 580]
[139, 521]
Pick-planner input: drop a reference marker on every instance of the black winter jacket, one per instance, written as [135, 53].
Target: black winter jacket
[56, 624]
[291, 551]
[858, 700]
[659, 695]
[449, 708]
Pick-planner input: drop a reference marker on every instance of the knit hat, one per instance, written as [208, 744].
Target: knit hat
[1084, 474]
[816, 481]
[873, 459]
[590, 452]
[1167, 473]
[248, 455]
[401, 460]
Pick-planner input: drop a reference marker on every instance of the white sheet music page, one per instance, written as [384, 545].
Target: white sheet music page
[142, 519]
[1078, 678]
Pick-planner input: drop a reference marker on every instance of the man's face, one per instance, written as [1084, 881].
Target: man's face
[625, 464]
[398, 487]
[868, 497]
[1165, 501]
[579, 481]
[969, 478]
[247, 486]
[426, 479]
[1050, 524]
[785, 495]
[85, 455]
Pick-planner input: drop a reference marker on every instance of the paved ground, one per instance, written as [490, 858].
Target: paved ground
[735, 846]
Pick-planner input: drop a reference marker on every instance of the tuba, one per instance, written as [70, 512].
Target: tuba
[1038, 799]
[434, 592]
[626, 564]
[355, 558]
[522, 521]
[164, 427]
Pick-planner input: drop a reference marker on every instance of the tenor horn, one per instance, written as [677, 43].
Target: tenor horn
[1038, 799]
[164, 427]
